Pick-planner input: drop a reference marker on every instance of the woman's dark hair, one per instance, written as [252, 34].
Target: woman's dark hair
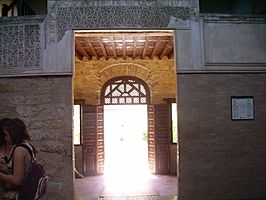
[4, 123]
[17, 131]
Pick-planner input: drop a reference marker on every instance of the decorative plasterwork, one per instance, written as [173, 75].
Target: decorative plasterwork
[102, 17]
[115, 3]
[20, 45]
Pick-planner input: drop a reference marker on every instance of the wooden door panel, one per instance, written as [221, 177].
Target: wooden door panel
[151, 139]
[93, 139]
[163, 162]
[100, 140]
[162, 138]
[90, 163]
[89, 139]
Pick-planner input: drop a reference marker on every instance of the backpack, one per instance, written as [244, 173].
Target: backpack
[35, 185]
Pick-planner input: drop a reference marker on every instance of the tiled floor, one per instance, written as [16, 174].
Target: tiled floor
[159, 187]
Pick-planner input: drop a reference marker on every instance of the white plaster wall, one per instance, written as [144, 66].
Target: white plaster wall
[59, 57]
[219, 44]
[230, 43]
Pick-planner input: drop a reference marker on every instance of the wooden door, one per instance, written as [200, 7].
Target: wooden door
[162, 138]
[93, 140]
[151, 138]
[100, 140]
[89, 139]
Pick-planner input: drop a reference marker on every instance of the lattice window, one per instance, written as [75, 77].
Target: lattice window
[125, 90]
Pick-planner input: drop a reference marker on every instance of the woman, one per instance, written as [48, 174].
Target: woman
[14, 172]
[4, 149]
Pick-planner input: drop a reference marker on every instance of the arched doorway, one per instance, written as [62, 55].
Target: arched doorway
[125, 102]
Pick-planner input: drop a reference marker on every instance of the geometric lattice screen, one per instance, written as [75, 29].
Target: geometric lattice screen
[124, 91]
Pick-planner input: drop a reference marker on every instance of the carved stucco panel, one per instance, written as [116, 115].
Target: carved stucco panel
[102, 17]
[20, 46]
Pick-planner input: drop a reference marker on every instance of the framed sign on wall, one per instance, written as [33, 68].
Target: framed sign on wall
[242, 107]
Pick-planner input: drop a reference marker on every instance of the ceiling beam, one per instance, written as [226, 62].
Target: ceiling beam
[81, 49]
[134, 47]
[103, 48]
[78, 54]
[145, 47]
[124, 48]
[88, 42]
[113, 46]
[166, 47]
[155, 47]
[171, 55]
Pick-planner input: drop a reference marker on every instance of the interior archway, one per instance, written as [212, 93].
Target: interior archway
[129, 73]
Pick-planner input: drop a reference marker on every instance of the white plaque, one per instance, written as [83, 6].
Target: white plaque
[242, 108]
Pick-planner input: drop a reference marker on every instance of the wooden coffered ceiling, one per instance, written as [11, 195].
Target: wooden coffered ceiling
[124, 45]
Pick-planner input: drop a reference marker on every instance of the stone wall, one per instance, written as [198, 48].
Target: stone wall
[45, 104]
[91, 75]
[221, 158]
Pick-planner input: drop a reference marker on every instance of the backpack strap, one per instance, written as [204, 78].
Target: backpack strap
[31, 151]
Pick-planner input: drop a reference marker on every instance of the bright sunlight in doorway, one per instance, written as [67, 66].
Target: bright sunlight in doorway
[126, 151]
